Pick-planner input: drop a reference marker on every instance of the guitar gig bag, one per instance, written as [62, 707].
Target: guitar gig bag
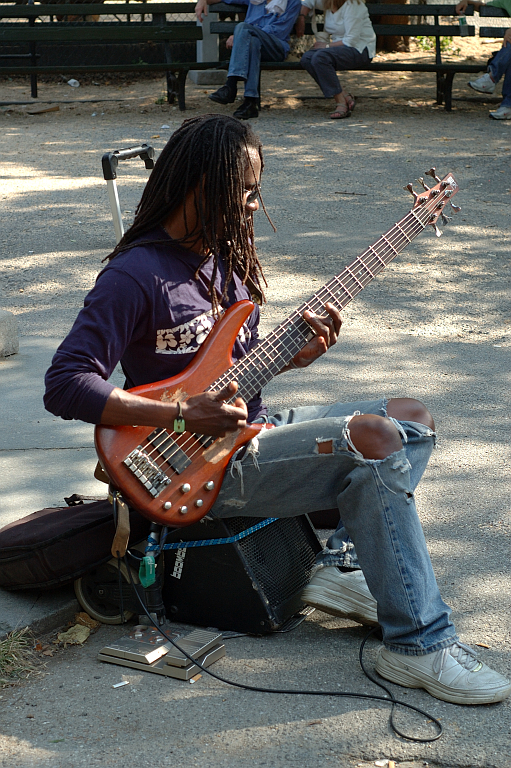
[57, 545]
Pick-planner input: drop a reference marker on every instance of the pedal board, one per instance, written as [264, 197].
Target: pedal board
[145, 648]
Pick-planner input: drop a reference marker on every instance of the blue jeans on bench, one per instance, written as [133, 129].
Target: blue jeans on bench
[251, 46]
[323, 63]
[501, 66]
[309, 463]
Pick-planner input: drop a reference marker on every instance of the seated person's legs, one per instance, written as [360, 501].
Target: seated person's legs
[499, 66]
[250, 45]
[323, 63]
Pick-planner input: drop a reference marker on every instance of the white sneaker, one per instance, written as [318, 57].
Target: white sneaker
[341, 594]
[502, 113]
[483, 84]
[452, 674]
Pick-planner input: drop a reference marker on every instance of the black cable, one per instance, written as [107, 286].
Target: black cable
[390, 698]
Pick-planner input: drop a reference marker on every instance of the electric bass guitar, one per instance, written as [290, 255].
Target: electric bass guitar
[173, 479]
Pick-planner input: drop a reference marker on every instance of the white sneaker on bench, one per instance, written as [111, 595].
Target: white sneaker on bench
[483, 84]
[341, 594]
[452, 674]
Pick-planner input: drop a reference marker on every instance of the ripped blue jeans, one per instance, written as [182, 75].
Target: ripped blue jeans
[306, 464]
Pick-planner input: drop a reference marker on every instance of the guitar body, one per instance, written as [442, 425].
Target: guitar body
[193, 466]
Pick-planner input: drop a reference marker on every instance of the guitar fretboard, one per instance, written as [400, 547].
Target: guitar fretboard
[276, 350]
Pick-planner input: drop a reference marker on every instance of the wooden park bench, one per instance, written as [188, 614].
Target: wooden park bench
[83, 26]
[119, 24]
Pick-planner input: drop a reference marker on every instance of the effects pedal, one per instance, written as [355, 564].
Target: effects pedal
[146, 649]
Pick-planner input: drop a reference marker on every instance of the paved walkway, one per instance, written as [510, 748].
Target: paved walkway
[436, 326]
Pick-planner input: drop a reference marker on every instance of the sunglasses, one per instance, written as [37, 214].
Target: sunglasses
[252, 194]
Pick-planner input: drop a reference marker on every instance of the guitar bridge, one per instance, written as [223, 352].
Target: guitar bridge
[146, 471]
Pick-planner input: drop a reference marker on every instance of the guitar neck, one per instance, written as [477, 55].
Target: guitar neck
[276, 350]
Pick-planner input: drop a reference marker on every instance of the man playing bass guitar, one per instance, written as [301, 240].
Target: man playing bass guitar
[189, 256]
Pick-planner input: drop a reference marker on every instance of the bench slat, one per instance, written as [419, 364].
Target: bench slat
[415, 30]
[128, 32]
[92, 9]
[375, 9]
[486, 10]
[492, 31]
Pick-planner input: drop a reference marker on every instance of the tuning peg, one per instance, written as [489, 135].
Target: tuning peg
[432, 173]
[445, 219]
[423, 184]
[409, 188]
[455, 208]
[435, 226]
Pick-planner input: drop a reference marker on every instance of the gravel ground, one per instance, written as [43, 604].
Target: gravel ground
[435, 326]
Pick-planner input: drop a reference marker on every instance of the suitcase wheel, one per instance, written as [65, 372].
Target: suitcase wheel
[99, 593]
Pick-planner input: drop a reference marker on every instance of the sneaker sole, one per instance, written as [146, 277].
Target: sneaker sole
[400, 676]
[480, 90]
[344, 609]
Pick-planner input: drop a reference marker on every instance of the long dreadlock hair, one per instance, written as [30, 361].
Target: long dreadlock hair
[207, 155]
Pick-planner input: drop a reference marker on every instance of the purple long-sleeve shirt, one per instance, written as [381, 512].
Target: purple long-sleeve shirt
[149, 312]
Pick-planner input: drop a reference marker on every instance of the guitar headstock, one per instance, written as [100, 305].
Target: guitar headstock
[429, 205]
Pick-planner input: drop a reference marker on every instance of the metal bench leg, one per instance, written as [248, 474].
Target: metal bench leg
[449, 77]
[440, 87]
[181, 82]
[32, 47]
[172, 87]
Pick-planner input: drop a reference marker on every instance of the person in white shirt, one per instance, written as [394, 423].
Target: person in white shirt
[352, 45]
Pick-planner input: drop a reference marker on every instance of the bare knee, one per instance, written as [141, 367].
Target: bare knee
[374, 436]
[409, 409]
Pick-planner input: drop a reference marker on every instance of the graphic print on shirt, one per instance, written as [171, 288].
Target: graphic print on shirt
[187, 338]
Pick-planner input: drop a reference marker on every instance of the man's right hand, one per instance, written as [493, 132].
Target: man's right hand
[209, 414]
[461, 7]
[201, 9]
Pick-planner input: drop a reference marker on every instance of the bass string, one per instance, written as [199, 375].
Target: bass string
[319, 298]
[295, 320]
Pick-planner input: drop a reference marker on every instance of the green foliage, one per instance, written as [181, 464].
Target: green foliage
[429, 44]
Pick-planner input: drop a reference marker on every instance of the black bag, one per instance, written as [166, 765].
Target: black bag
[55, 546]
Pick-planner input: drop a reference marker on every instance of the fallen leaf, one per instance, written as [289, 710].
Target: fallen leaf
[42, 111]
[48, 652]
[482, 645]
[314, 722]
[86, 620]
[156, 136]
[77, 635]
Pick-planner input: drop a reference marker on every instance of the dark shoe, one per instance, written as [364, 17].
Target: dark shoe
[224, 95]
[248, 110]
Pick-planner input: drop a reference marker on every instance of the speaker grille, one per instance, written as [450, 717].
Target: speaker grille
[281, 555]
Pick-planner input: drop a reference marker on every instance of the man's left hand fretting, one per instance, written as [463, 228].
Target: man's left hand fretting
[326, 327]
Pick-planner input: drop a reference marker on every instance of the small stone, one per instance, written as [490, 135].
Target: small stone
[9, 342]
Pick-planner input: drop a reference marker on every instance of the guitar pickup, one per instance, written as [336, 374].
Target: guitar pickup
[169, 450]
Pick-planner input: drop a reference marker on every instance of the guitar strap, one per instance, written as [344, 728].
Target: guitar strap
[122, 531]
[253, 289]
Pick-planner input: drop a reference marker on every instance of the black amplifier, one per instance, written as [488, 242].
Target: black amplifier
[250, 585]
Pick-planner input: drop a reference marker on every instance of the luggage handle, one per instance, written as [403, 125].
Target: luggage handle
[110, 161]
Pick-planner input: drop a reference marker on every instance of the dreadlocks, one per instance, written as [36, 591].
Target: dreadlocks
[207, 155]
